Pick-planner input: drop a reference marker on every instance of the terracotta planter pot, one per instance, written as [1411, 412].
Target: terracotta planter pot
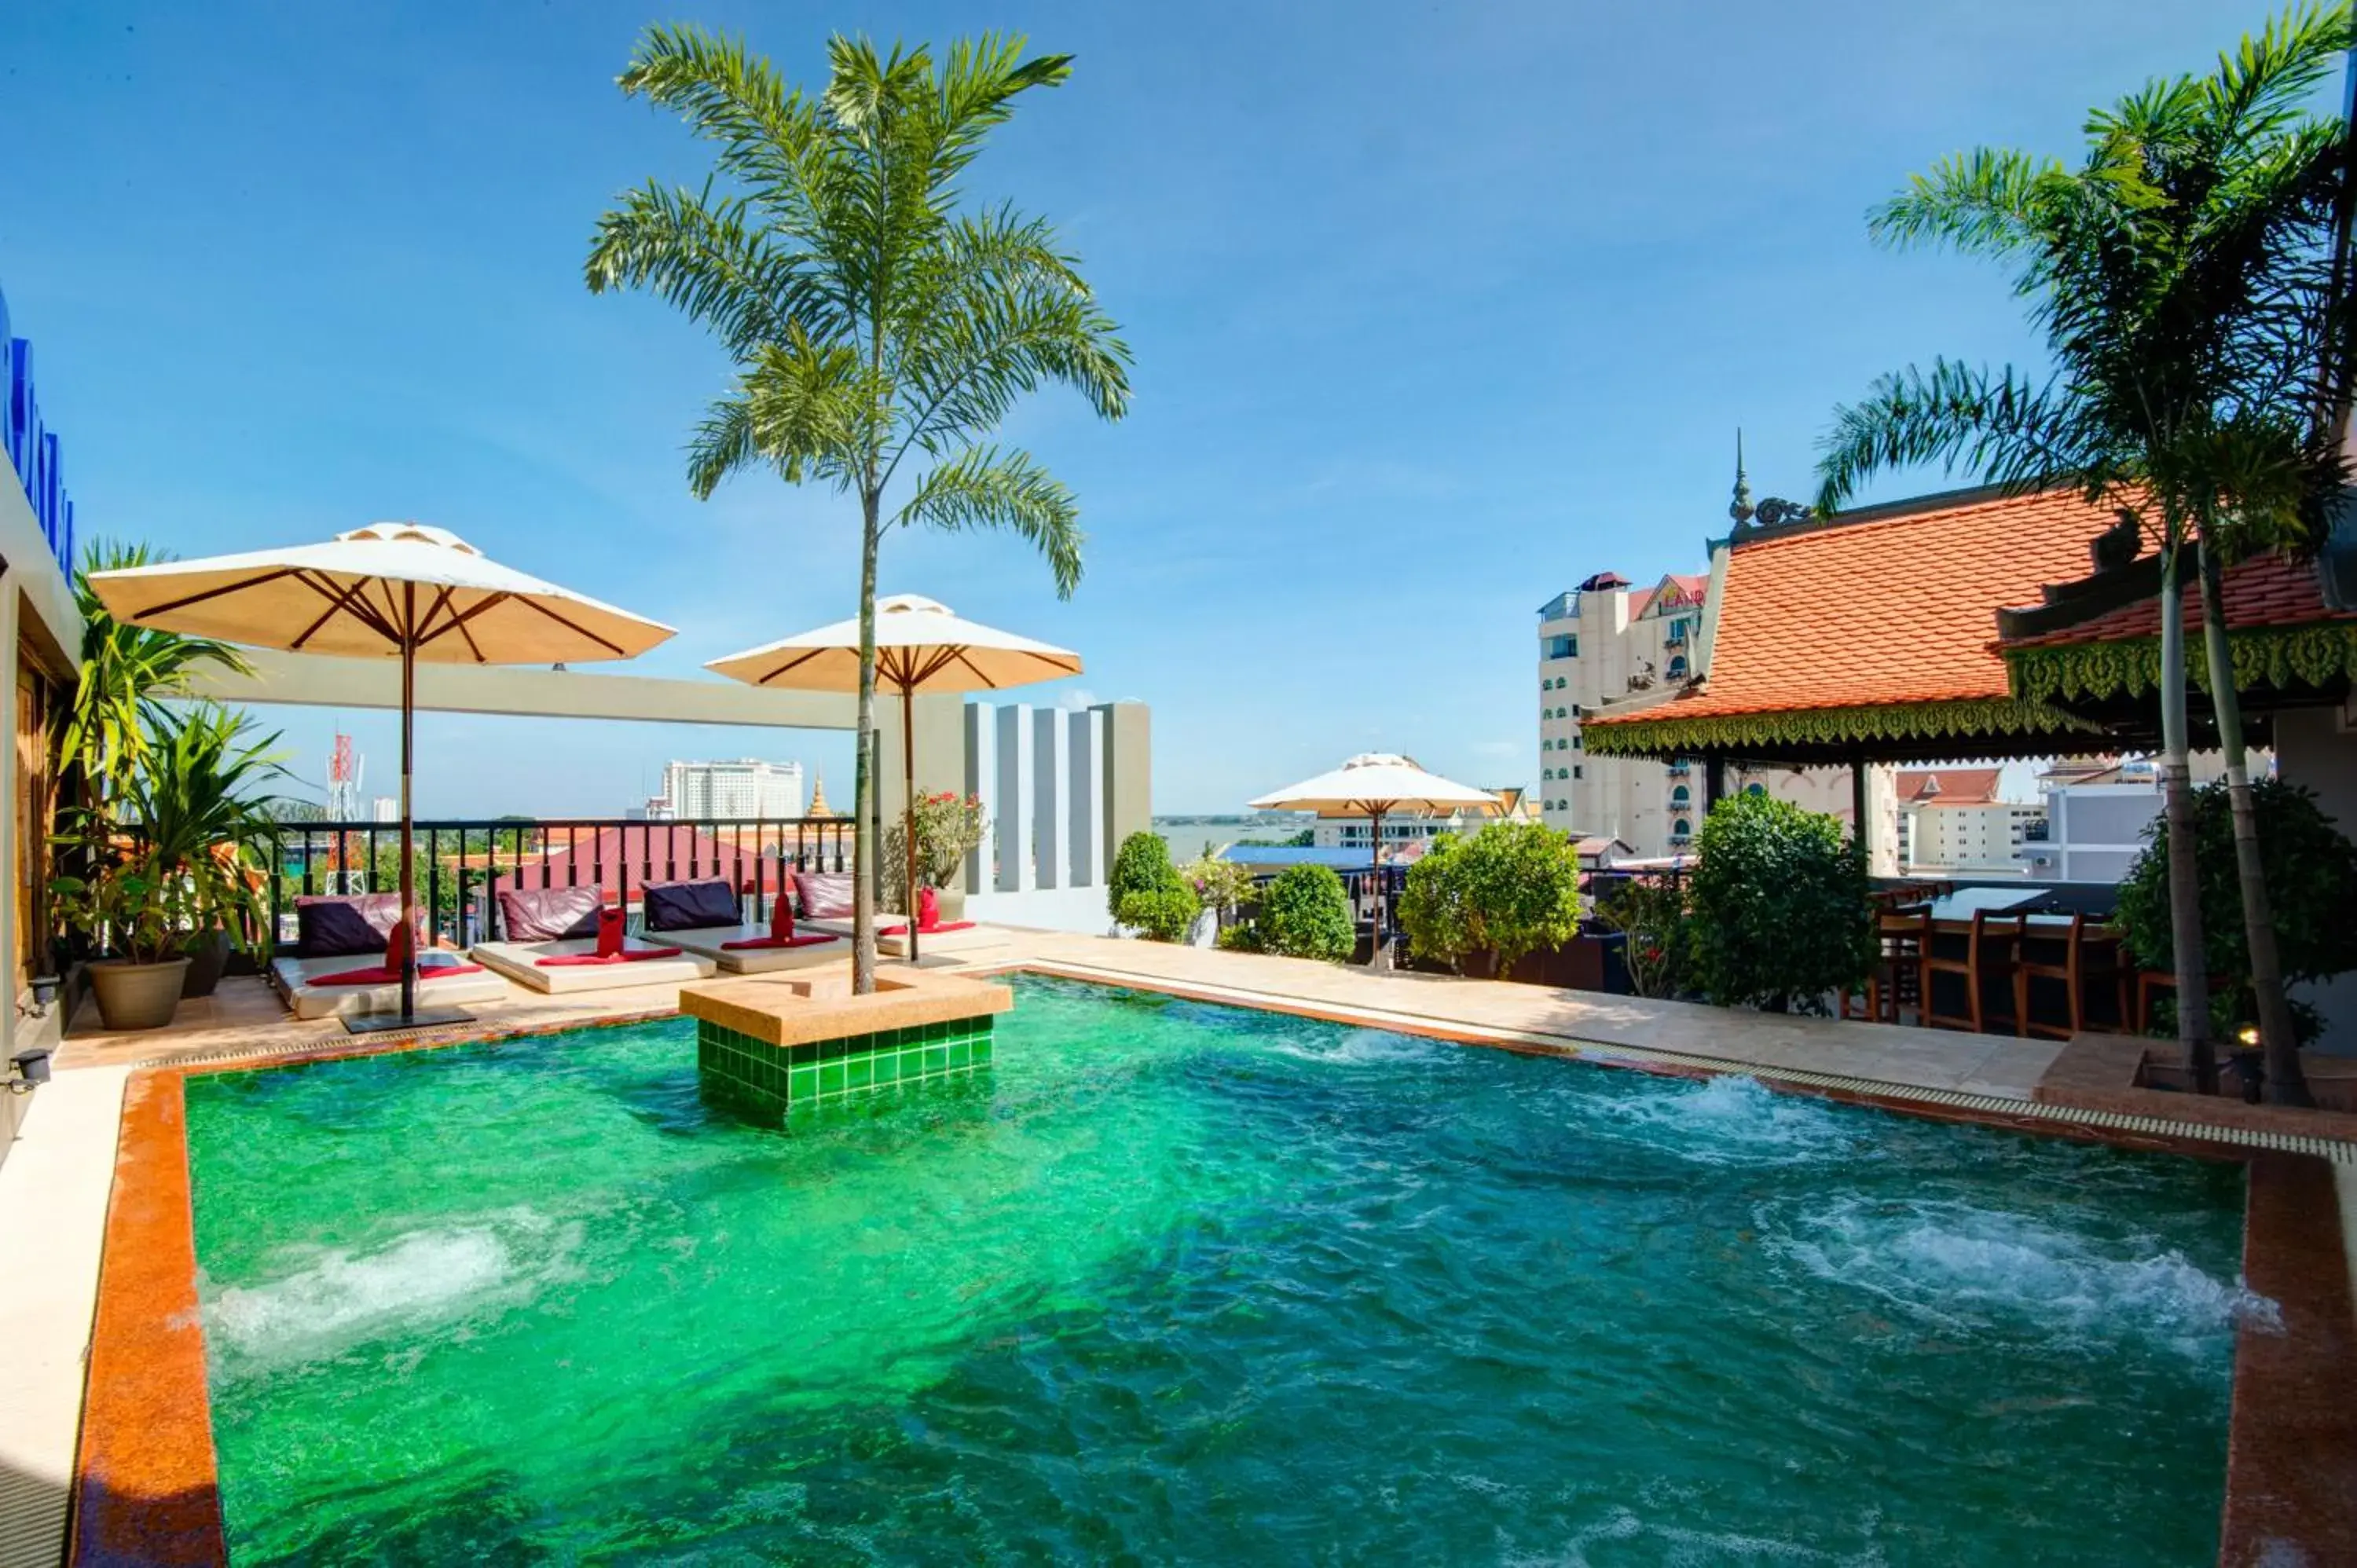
[138, 995]
[208, 958]
[953, 903]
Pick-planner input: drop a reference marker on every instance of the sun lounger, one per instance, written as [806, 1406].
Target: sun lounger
[969, 937]
[519, 962]
[711, 943]
[296, 980]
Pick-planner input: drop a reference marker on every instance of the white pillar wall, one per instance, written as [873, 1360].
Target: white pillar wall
[1086, 813]
[1050, 779]
[982, 781]
[1010, 810]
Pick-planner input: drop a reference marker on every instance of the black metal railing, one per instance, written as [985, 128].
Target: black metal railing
[459, 866]
[1360, 889]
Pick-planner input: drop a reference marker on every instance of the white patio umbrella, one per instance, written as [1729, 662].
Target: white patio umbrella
[396, 590]
[1374, 784]
[921, 647]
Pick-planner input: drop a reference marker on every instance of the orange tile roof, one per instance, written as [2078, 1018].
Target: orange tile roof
[1898, 606]
[2266, 591]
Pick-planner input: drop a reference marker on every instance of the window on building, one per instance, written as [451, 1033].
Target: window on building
[1748, 789]
[1677, 667]
[1575, 746]
[1682, 829]
[1681, 796]
[1577, 773]
[1564, 646]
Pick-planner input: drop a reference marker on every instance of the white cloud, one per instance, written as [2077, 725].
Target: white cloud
[1076, 700]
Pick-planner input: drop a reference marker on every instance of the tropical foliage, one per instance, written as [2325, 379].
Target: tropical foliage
[124, 674]
[1220, 886]
[2184, 276]
[2311, 871]
[881, 329]
[1781, 917]
[1304, 913]
[1510, 889]
[1657, 929]
[948, 828]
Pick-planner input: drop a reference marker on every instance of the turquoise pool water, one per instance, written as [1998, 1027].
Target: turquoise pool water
[1174, 1283]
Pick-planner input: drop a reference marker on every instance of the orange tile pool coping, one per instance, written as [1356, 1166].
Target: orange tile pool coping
[147, 1483]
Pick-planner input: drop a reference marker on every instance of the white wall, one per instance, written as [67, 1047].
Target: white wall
[2316, 747]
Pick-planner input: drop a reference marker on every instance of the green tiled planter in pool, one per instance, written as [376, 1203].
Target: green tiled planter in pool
[769, 1081]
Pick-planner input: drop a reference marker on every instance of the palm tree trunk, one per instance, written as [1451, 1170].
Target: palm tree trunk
[2286, 1085]
[863, 833]
[2177, 798]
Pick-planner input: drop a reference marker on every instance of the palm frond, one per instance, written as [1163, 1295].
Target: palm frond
[1997, 425]
[984, 488]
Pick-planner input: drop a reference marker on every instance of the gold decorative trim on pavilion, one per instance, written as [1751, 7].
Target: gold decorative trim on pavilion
[1749, 733]
[2283, 657]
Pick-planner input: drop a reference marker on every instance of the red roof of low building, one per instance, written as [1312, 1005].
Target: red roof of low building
[1892, 606]
[2264, 591]
[1955, 786]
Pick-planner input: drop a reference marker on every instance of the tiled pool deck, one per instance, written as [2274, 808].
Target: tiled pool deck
[2292, 1472]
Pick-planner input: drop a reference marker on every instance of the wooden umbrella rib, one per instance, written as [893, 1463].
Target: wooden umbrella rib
[987, 683]
[459, 619]
[613, 648]
[270, 576]
[354, 603]
[792, 664]
[335, 601]
[942, 658]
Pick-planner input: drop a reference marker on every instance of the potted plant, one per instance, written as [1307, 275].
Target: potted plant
[197, 806]
[135, 915]
[948, 828]
[1221, 887]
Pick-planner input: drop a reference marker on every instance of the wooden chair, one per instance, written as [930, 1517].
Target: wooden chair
[1897, 980]
[2090, 955]
[1983, 961]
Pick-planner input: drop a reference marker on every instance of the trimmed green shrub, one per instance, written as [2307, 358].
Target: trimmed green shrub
[1509, 889]
[1781, 917]
[1164, 914]
[1146, 893]
[2311, 872]
[1142, 865]
[1304, 913]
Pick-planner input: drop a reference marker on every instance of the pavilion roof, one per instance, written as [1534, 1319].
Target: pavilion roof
[1875, 629]
[2099, 637]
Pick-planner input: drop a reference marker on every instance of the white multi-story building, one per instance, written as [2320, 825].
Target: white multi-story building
[743, 788]
[1605, 641]
[2098, 812]
[1951, 819]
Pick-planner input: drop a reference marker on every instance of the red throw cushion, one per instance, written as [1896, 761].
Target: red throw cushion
[809, 941]
[382, 974]
[826, 895]
[590, 960]
[550, 914]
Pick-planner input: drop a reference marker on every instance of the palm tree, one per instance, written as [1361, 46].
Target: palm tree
[875, 322]
[2184, 278]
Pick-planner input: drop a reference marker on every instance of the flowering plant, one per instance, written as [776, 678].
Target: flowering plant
[948, 828]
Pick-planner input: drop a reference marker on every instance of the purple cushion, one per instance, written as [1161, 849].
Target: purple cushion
[339, 925]
[823, 895]
[686, 906]
[550, 914]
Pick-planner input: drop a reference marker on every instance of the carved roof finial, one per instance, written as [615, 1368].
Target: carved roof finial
[1740, 509]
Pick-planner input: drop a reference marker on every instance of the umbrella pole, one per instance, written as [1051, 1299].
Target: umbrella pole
[1378, 954]
[408, 876]
[909, 804]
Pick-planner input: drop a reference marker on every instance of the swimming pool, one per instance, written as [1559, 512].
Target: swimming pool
[1174, 1282]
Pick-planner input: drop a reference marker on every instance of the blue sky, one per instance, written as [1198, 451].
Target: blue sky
[1436, 309]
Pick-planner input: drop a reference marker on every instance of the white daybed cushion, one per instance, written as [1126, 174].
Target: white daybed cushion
[709, 940]
[292, 976]
[518, 962]
[932, 942]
